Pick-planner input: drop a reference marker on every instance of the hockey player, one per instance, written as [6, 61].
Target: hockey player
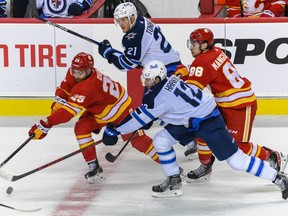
[143, 42]
[255, 8]
[235, 100]
[188, 112]
[104, 100]
[62, 8]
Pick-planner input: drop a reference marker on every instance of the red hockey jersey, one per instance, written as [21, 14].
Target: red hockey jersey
[255, 8]
[214, 69]
[98, 94]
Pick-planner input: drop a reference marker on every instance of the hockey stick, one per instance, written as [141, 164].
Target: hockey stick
[21, 210]
[17, 150]
[12, 178]
[111, 158]
[68, 30]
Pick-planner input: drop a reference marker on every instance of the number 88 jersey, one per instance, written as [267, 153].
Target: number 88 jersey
[214, 69]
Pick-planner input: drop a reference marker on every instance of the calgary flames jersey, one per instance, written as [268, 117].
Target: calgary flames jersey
[255, 8]
[98, 94]
[215, 69]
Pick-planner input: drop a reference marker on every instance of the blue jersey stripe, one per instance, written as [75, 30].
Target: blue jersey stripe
[168, 161]
[251, 164]
[260, 168]
[145, 111]
[166, 153]
[138, 119]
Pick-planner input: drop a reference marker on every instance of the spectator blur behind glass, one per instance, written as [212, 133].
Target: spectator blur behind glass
[255, 8]
[62, 8]
[286, 9]
[3, 8]
[19, 8]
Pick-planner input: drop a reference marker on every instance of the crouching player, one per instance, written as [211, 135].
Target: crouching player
[188, 112]
[104, 100]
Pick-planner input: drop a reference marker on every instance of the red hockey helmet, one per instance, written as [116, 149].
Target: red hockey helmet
[82, 61]
[203, 35]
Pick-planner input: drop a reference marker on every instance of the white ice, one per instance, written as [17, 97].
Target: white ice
[61, 189]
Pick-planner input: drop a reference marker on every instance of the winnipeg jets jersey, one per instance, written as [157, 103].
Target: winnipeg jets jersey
[57, 8]
[144, 43]
[171, 101]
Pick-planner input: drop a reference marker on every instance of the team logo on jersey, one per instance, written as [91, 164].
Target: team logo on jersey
[131, 35]
[57, 6]
[56, 3]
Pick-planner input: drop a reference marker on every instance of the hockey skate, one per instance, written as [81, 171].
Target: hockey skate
[202, 173]
[169, 188]
[277, 160]
[191, 151]
[282, 182]
[95, 172]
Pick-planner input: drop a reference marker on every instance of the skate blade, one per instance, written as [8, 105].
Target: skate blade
[169, 193]
[202, 179]
[97, 178]
[193, 156]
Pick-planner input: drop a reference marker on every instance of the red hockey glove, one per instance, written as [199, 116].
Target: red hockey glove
[39, 130]
[57, 103]
[182, 72]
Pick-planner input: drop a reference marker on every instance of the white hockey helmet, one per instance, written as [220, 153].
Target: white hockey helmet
[154, 69]
[126, 9]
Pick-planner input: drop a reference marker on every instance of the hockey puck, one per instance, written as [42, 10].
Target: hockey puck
[9, 190]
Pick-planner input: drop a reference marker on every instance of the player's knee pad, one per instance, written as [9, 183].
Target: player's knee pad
[238, 161]
[163, 140]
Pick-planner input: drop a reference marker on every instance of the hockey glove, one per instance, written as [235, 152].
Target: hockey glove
[182, 72]
[57, 103]
[40, 130]
[75, 9]
[105, 49]
[110, 135]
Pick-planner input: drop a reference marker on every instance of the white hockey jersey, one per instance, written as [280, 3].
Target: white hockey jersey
[143, 44]
[56, 8]
[172, 101]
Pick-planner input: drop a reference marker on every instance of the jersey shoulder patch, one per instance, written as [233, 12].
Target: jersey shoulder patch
[135, 35]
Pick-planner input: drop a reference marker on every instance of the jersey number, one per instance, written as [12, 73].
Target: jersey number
[164, 45]
[109, 85]
[232, 75]
[182, 93]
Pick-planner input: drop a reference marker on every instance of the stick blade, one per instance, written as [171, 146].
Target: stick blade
[5, 175]
[109, 157]
[21, 210]
[28, 210]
